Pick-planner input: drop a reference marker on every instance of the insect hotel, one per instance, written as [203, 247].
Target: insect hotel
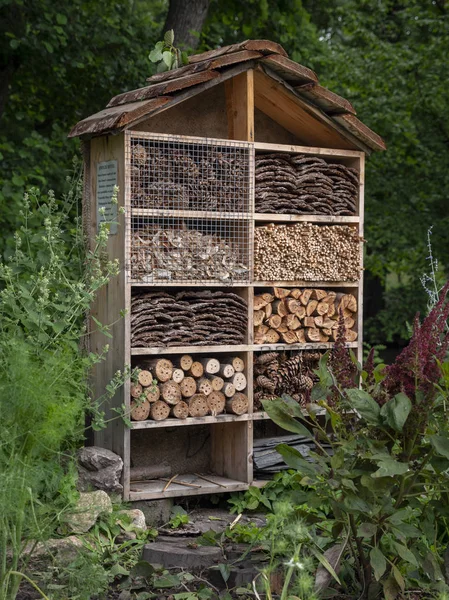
[242, 183]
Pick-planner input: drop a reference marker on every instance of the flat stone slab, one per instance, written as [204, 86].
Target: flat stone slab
[178, 554]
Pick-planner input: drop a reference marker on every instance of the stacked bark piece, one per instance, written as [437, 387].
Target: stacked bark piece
[186, 318]
[183, 254]
[306, 252]
[189, 388]
[295, 315]
[189, 177]
[276, 374]
[298, 184]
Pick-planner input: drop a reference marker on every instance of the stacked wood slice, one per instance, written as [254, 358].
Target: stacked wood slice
[307, 252]
[182, 254]
[190, 176]
[300, 316]
[186, 318]
[190, 388]
[275, 374]
[298, 184]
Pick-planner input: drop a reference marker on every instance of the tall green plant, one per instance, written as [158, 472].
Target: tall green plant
[46, 289]
[384, 482]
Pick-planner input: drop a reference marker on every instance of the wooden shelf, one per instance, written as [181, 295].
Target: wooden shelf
[189, 350]
[151, 490]
[307, 346]
[302, 283]
[305, 218]
[330, 152]
[187, 284]
[191, 214]
[190, 421]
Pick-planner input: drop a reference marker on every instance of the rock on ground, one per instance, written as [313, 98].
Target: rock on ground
[89, 507]
[99, 468]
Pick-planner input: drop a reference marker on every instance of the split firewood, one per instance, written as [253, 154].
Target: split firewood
[140, 411]
[259, 316]
[216, 402]
[185, 362]
[289, 337]
[136, 390]
[178, 375]
[198, 406]
[238, 404]
[152, 393]
[226, 370]
[295, 293]
[196, 369]
[311, 306]
[292, 321]
[203, 386]
[180, 410]
[211, 365]
[322, 308]
[293, 305]
[268, 297]
[145, 378]
[313, 334]
[281, 292]
[268, 310]
[159, 411]
[161, 368]
[228, 390]
[301, 336]
[275, 321]
[187, 387]
[171, 392]
[259, 302]
[280, 307]
[272, 336]
[238, 364]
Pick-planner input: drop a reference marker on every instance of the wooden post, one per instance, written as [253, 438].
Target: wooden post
[240, 106]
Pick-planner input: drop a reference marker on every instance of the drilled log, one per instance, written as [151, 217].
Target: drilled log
[171, 392]
[161, 368]
[187, 387]
[159, 411]
[216, 402]
[238, 364]
[185, 362]
[145, 378]
[211, 365]
[180, 410]
[203, 386]
[196, 369]
[140, 411]
[238, 404]
[198, 406]
[136, 390]
[226, 370]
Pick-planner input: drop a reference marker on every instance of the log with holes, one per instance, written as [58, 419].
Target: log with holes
[189, 387]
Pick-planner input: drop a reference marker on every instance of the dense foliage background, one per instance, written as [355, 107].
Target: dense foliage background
[61, 61]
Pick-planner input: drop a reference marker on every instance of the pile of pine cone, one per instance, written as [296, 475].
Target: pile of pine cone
[197, 318]
[298, 184]
[188, 177]
[275, 374]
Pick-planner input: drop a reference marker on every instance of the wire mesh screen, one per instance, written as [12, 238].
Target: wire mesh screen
[190, 210]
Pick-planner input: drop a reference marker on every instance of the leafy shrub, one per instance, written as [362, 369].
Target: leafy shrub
[382, 488]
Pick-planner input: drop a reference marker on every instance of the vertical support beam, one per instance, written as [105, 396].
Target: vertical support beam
[240, 106]
[361, 229]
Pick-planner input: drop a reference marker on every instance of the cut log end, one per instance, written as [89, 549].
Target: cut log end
[238, 404]
[159, 411]
[198, 405]
[140, 412]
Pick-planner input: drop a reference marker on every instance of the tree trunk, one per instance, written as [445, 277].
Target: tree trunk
[186, 19]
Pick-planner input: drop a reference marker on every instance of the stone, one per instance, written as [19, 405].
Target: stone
[177, 553]
[65, 550]
[136, 517]
[100, 469]
[89, 507]
[157, 512]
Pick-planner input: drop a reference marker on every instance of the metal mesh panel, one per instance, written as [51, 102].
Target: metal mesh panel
[190, 210]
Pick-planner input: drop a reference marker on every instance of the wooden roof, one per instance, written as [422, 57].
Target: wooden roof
[205, 70]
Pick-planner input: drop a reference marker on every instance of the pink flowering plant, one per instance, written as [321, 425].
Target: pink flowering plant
[379, 470]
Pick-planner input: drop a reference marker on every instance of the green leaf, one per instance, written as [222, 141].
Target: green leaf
[391, 589]
[169, 37]
[398, 576]
[366, 530]
[155, 55]
[396, 411]
[365, 405]
[117, 569]
[294, 459]
[166, 581]
[280, 413]
[184, 58]
[405, 554]
[378, 562]
[440, 444]
[225, 571]
[356, 504]
[167, 57]
[390, 468]
[61, 19]
[142, 569]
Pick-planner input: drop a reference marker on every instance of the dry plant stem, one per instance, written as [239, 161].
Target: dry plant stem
[366, 566]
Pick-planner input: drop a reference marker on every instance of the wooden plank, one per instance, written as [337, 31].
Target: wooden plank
[302, 283]
[313, 150]
[328, 101]
[308, 124]
[116, 117]
[240, 106]
[190, 214]
[173, 422]
[153, 490]
[290, 70]
[262, 46]
[307, 346]
[230, 449]
[304, 218]
[218, 63]
[361, 131]
[110, 299]
[361, 231]
[159, 89]
[188, 349]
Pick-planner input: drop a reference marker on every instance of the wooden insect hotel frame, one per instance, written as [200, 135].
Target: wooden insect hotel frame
[240, 247]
